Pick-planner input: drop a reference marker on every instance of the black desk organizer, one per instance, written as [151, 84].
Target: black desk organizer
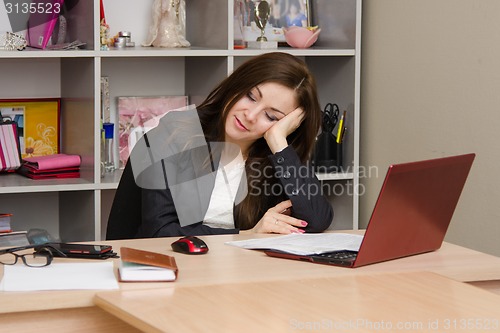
[328, 152]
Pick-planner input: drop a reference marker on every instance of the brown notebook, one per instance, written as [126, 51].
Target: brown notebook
[140, 265]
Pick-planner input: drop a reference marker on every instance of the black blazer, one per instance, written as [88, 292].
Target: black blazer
[144, 204]
[142, 213]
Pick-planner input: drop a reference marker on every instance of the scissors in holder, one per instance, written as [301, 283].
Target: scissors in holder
[330, 117]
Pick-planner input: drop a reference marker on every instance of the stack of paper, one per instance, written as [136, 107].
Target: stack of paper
[59, 276]
[304, 244]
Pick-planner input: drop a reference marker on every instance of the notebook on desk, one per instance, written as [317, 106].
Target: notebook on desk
[411, 216]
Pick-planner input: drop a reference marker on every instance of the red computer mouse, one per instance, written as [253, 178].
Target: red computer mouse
[190, 245]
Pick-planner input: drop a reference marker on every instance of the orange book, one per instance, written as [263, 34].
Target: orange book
[139, 265]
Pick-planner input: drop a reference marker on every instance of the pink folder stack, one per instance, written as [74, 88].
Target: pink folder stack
[51, 166]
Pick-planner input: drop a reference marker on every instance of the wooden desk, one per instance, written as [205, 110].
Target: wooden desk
[226, 264]
[415, 302]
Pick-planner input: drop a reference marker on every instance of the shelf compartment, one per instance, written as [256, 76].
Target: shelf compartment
[206, 21]
[337, 20]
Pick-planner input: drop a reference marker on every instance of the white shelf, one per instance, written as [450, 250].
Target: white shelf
[49, 186]
[335, 176]
[77, 209]
[139, 51]
[159, 52]
[110, 180]
[35, 53]
[313, 51]
[19, 184]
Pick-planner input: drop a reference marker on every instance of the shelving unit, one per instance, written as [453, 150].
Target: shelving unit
[77, 209]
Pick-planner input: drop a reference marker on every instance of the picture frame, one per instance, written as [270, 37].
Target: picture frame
[137, 115]
[38, 121]
[284, 13]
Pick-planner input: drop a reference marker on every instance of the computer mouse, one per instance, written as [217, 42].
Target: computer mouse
[190, 245]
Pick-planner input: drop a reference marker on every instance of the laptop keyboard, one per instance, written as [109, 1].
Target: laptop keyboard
[339, 255]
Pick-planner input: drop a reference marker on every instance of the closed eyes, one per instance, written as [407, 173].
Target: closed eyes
[270, 114]
[271, 117]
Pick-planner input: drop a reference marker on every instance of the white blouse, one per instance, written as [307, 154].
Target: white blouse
[227, 182]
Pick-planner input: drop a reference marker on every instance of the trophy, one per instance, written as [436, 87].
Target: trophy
[262, 11]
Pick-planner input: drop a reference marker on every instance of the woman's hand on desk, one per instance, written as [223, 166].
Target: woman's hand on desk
[277, 220]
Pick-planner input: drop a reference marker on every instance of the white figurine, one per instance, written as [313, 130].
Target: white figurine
[168, 26]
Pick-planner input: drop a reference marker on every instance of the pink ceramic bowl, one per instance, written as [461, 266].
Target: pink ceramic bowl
[300, 37]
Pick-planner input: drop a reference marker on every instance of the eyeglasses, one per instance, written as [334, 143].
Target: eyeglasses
[42, 256]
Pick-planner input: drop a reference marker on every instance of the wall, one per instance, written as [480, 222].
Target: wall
[431, 88]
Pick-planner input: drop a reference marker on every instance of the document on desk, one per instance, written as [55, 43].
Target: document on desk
[304, 244]
[59, 276]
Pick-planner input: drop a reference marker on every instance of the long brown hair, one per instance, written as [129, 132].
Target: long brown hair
[277, 67]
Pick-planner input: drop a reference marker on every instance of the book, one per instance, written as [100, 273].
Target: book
[55, 161]
[10, 155]
[14, 239]
[5, 222]
[33, 173]
[141, 266]
[51, 166]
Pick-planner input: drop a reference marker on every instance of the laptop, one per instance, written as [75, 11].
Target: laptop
[411, 216]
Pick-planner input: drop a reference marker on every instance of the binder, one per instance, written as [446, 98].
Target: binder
[10, 153]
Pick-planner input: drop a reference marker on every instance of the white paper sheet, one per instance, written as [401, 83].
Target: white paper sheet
[304, 244]
[59, 276]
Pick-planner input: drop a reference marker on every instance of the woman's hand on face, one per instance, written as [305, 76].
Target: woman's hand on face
[276, 135]
[276, 220]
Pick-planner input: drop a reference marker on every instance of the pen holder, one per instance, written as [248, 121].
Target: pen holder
[328, 154]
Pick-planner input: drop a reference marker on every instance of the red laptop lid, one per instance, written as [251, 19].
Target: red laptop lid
[414, 208]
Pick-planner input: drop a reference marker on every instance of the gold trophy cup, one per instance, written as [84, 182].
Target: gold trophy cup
[262, 12]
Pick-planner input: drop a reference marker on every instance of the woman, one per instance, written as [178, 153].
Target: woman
[267, 108]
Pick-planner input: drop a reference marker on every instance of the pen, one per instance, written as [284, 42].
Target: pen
[341, 127]
[342, 135]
